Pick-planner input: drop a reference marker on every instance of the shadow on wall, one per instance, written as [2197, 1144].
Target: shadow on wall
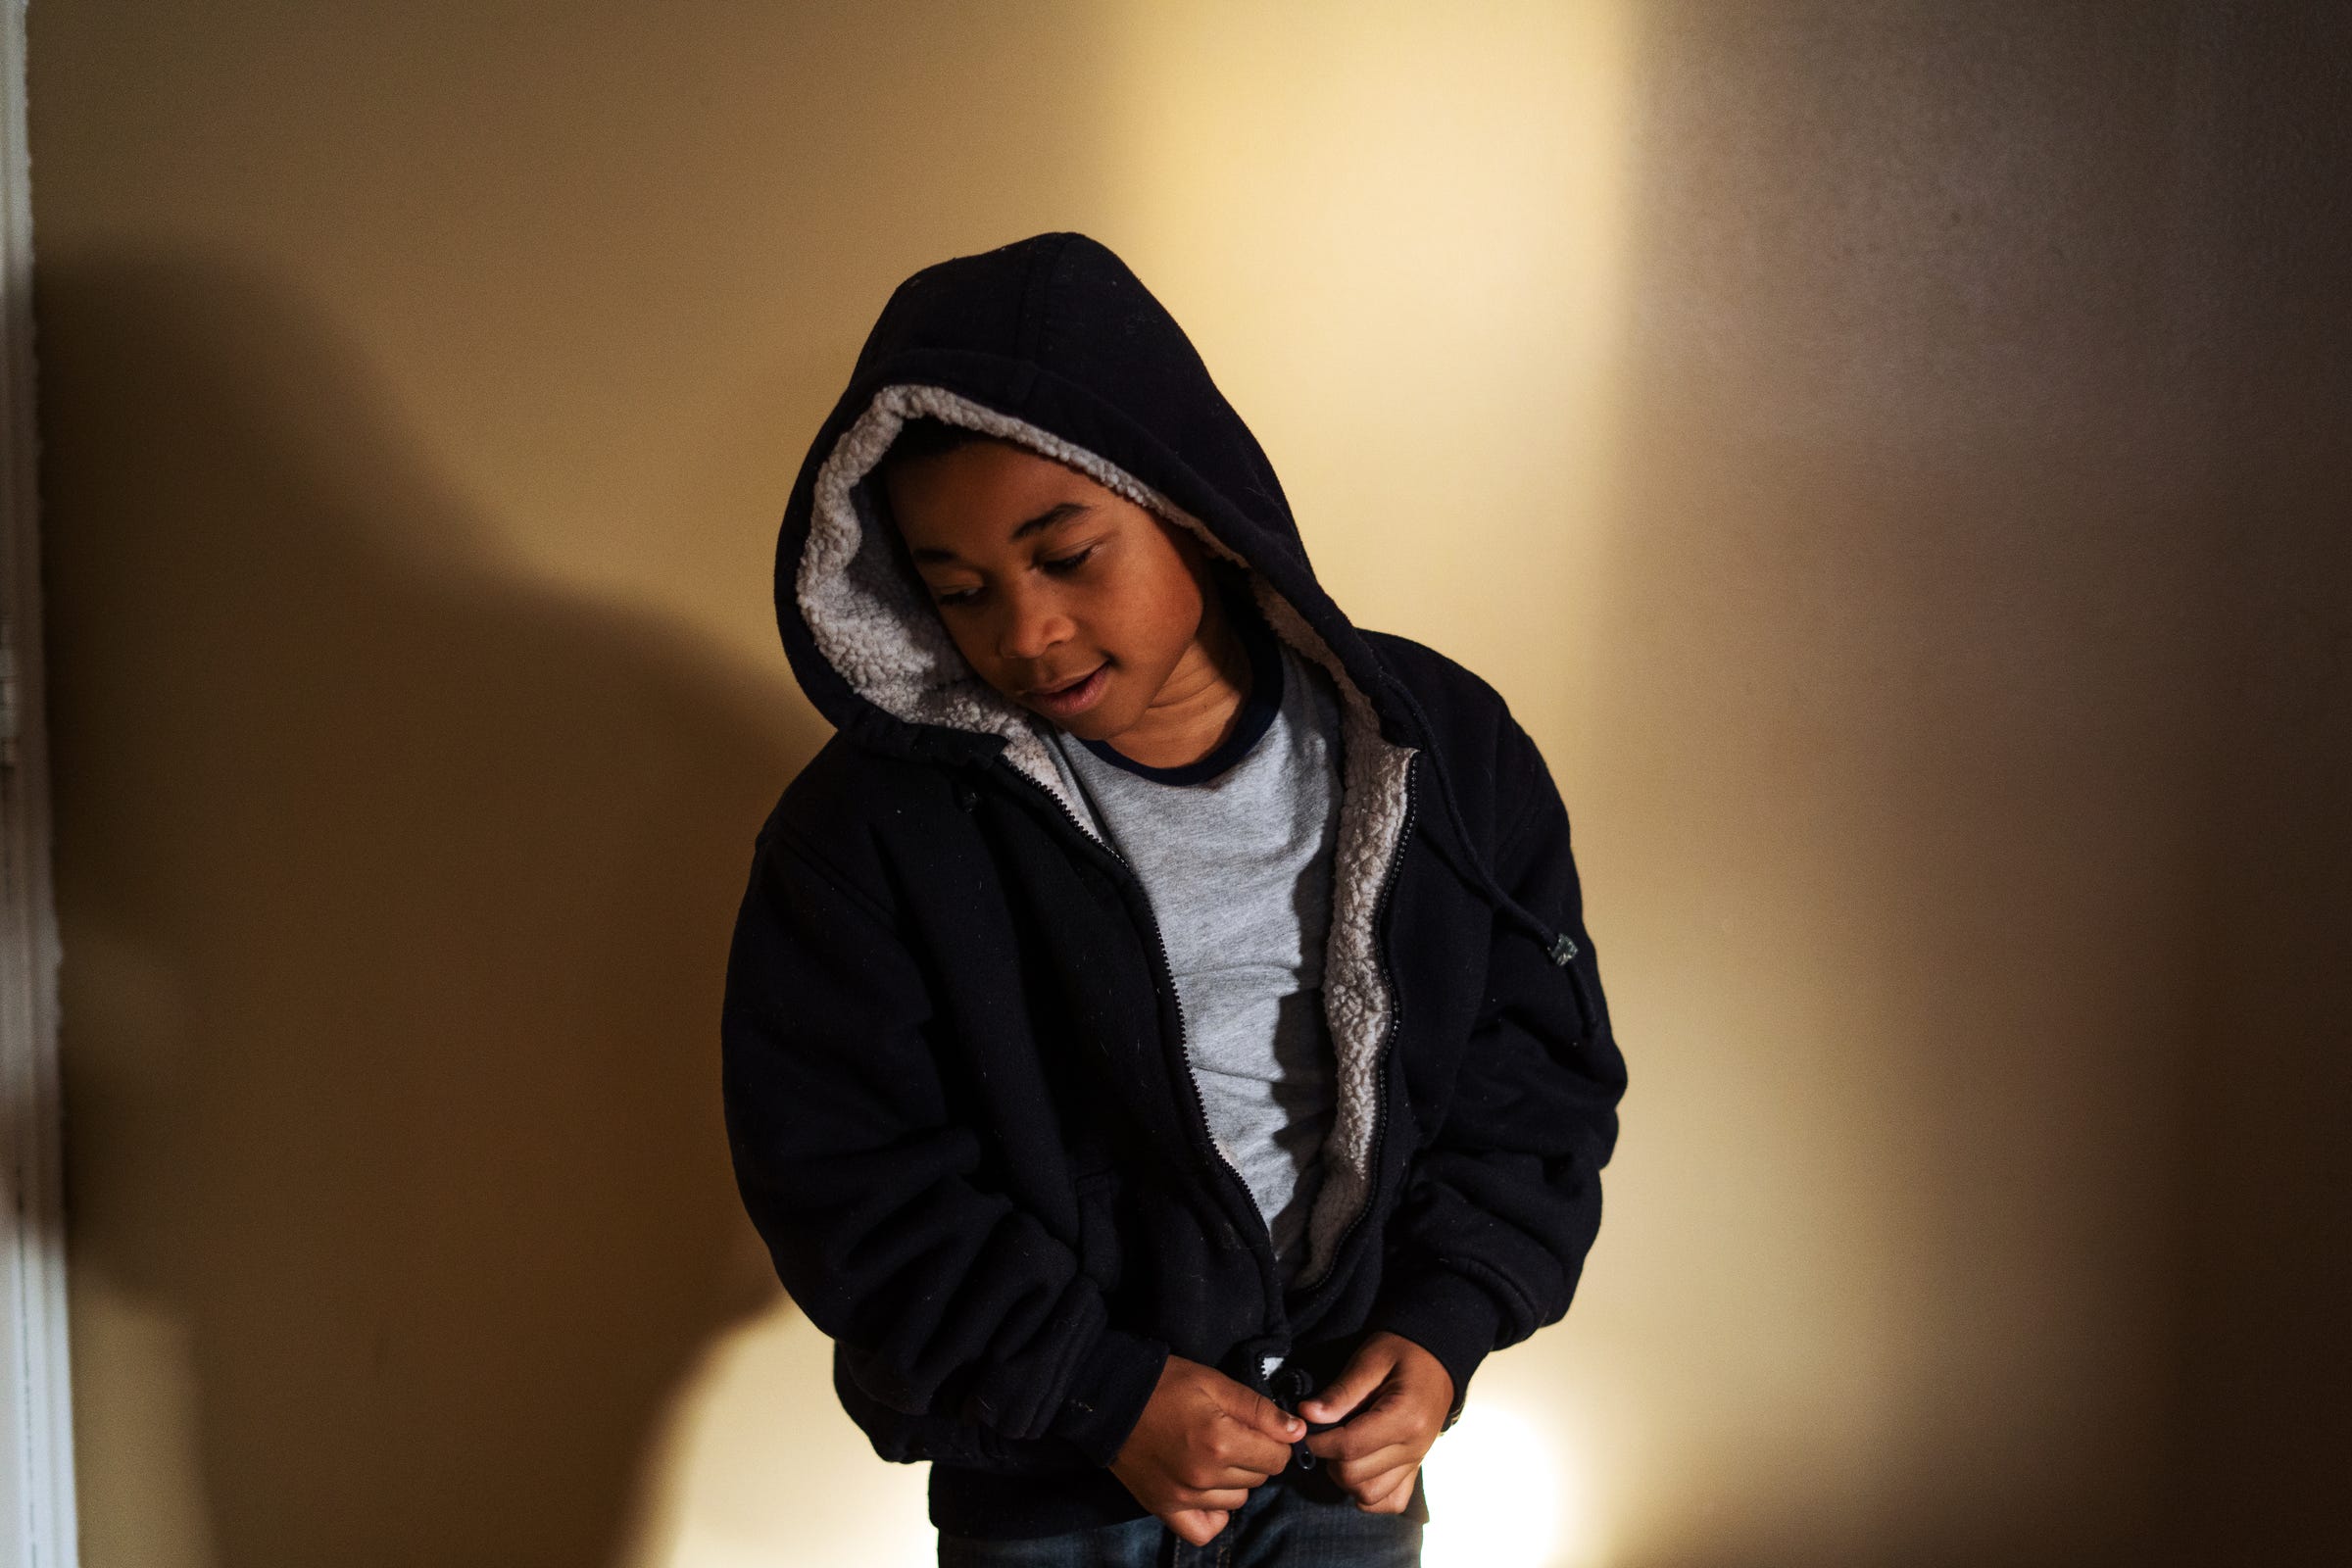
[391, 983]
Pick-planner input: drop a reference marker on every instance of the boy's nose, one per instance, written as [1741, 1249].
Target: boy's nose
[1030, 630]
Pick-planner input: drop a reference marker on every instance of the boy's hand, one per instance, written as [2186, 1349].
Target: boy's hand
[1202, 1442]
[1392, 1396]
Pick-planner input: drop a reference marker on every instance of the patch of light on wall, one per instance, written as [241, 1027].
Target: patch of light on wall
[758, 1467]
[1504, 1494]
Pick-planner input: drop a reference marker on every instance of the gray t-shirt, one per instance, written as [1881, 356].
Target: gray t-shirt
[1233, 852]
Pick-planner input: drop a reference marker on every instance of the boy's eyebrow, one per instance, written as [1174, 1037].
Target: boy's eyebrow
[1063, 511]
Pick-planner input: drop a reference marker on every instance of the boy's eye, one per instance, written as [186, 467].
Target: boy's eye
[966, 595]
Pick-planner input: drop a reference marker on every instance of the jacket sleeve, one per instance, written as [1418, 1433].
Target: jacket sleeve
[945, 1295]
[1503, 1198]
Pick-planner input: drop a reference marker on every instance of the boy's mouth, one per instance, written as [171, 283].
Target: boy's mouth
[1073, 696]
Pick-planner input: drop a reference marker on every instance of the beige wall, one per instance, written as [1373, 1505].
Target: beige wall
[1891, 455]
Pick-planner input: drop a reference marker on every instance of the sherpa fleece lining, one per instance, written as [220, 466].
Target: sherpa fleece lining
[877, 627]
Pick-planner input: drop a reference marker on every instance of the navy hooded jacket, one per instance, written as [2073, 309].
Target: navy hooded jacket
[955, 1074]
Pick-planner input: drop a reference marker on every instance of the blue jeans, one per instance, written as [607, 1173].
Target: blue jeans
[1279, 1527]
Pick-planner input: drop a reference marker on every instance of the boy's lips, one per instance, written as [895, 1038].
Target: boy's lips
[1072, 698]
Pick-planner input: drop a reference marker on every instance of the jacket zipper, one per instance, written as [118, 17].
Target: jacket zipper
[1164, 975]
[1388, 1040]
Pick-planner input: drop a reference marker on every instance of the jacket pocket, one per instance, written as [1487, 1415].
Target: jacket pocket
[911, 1437]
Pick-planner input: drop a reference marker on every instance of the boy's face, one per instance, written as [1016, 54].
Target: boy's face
[1068, 599]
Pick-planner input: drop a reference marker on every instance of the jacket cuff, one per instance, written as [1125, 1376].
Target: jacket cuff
[1449, 1316]
[1108, 1390]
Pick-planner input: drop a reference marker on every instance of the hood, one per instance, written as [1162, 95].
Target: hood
[1052, 343]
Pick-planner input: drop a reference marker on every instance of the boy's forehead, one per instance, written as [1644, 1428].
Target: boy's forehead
[979, 454]
[987, 489]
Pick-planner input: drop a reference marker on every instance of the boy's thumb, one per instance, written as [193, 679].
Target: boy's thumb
[1345, 1392]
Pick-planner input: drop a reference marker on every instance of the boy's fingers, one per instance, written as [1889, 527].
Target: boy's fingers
[1376, 1429]
[1246, 1475]
[1364, 1476]
[1246, 1447]
[1365, 1371]
[1268, 1418]
[1196, 1526]
[1397, 1495]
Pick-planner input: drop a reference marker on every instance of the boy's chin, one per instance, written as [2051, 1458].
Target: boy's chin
[1097, 723]
[1087, 726]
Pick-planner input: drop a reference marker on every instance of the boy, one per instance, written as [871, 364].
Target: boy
[1161, 1043]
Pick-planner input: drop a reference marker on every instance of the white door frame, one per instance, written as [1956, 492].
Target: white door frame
[36, 1438]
